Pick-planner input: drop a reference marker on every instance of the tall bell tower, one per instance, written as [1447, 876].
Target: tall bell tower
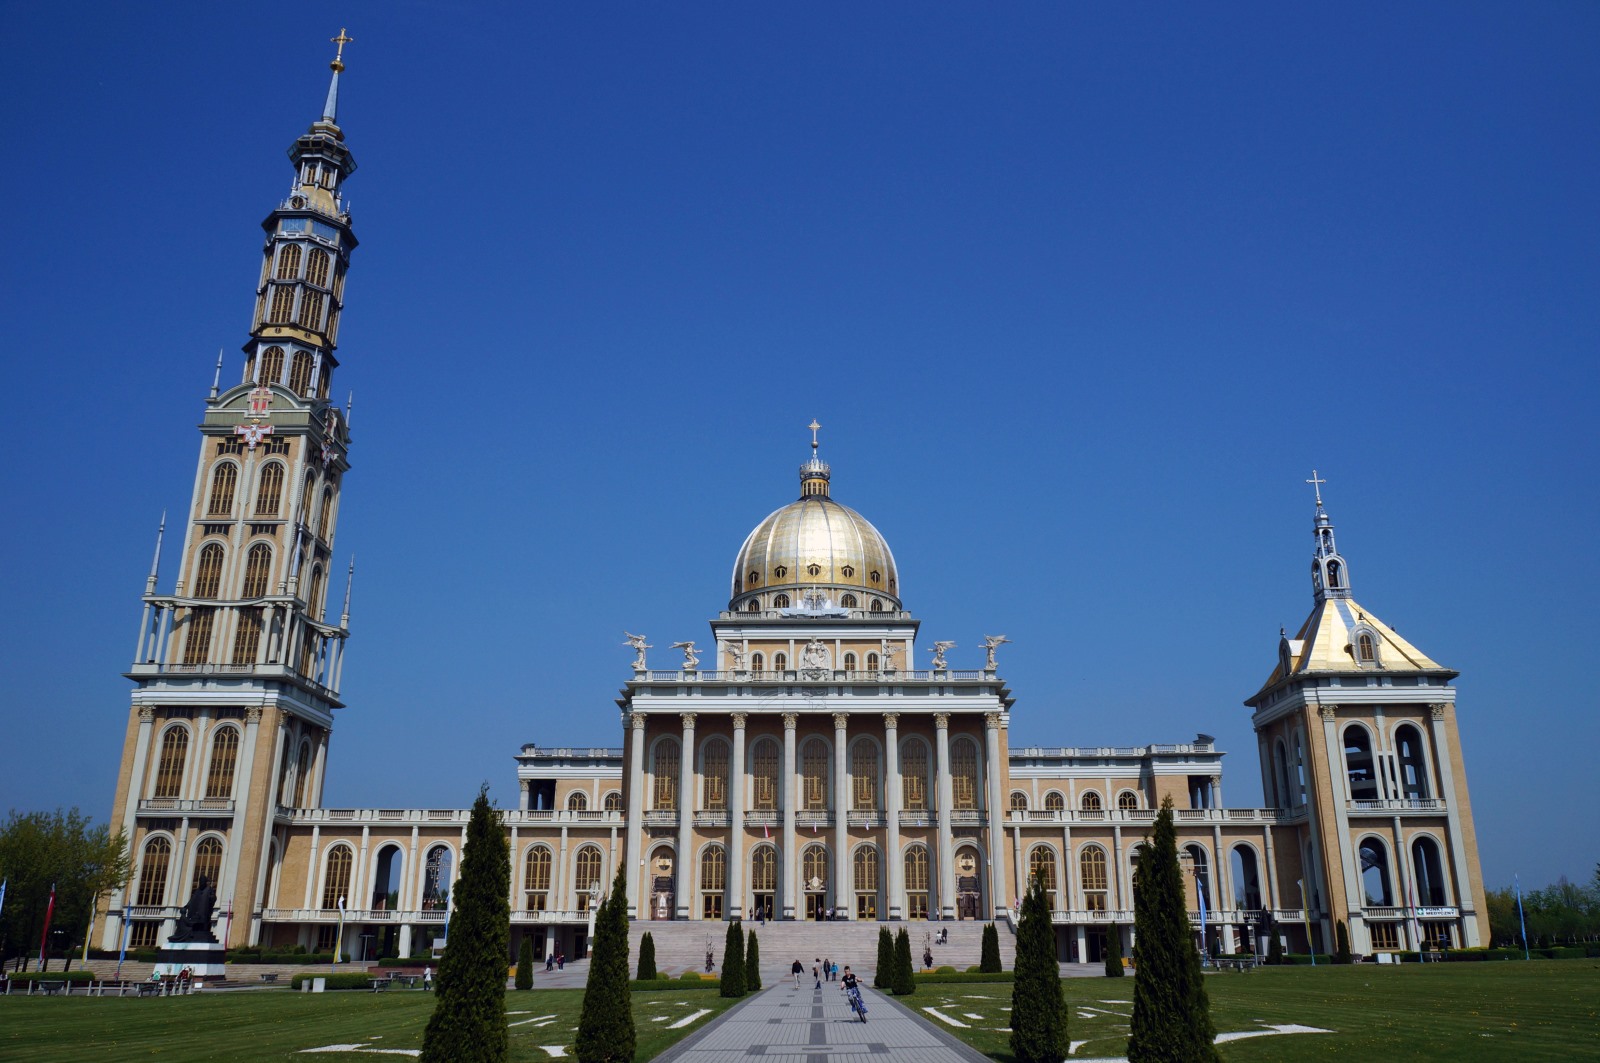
[236, 670]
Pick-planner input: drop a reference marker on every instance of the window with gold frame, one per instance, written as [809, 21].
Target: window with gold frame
[664, 766]
[153, 873]
[814, 775]
[764, 775]
[914, 777]
[224, 756]
[964, 773]
[169, 770]
[864, 777]
[714, 776]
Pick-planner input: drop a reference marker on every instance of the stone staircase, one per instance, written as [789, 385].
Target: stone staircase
[681, 946]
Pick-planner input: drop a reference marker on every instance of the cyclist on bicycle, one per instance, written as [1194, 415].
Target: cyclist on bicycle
[852, 989]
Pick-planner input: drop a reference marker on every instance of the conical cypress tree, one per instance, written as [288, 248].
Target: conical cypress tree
[1274, 945]
[989, 958]
[647, 957]
[525, 964]
[469, 1015]
[1038, 1008]
[1342, 955]
[605, 1025]
[733, 961]
[1171, 1014]
[904, 981]
[752, 964]
[1114, 952]
[883, 976]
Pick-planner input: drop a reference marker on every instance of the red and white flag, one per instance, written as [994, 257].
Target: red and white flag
[49, 911]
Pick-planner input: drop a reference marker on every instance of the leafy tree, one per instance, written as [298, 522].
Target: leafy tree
[905, 982]
[1171, 1013]
[1114, 952]
[605, 1025]
[1038, 1008]
[752, 965]
[883, 976]
[469, 1017]
[525, 964]
[1341, 953]
[733, 961]
[82, 861]
[647, 957]
[989, 957]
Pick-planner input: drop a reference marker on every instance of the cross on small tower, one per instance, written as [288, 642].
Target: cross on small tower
[813, 426]
[1316, 485]
[341, 40]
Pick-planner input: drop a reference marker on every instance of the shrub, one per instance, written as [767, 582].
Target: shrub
[989, 957]
[605, 1026]
[752, 964]
[1114, 967]
[348, 980]
[1038, 1008]
[951, 970]
[733, 961]
[1341, 952]
[883, 976]
[525, 964]
[904, 982]
[1274, 945]
[691, 976]
[75, 977]
[647, 957]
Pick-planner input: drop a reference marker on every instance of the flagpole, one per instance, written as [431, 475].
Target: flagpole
[49, 912]
[1305, 912]
[1200, 895]
[127, 929]
[338, 939]
[1521, 918]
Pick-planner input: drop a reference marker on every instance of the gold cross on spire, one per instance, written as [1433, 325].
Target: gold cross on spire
[341, 40]
[814, 426]
[1316, 485]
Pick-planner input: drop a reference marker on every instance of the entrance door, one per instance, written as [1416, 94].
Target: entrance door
[815, 906]
[764, 902]
[866, 906]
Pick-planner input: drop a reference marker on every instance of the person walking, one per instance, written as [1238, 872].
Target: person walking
[827, 970]
[816, 972]
[797, 971]
[427, 978]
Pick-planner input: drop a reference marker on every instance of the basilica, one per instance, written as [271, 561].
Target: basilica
[792, 764]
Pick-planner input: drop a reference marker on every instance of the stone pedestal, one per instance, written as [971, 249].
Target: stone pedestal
[205, 959]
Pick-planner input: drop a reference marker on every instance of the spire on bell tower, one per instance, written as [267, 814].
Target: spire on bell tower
[814, 473]
[1330, 578]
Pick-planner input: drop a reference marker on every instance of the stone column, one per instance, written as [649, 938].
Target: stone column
[636, 803]
[843, 887]
[1340, 848]
[791, 859]
[999, 900]
[1458, 851]
[895, 866]
[111, 935]
[686, 803]
[947, 855]
[736, 821]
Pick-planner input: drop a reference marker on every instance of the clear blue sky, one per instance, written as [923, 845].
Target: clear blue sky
[1080, 294]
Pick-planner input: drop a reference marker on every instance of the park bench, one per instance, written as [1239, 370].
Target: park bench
[150, 989]
[270, 976]
[1235, 963]
[410, 980]
[50, 989]
[379, 985]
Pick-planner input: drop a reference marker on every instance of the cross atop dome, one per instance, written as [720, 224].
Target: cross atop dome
[814, 473]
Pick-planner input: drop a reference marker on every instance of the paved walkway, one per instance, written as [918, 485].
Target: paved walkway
[790, 1024]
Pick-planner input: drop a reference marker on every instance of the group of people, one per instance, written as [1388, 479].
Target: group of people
[556, 961]
[822, 970]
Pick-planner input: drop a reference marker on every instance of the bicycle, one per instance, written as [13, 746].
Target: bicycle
[857, 1005]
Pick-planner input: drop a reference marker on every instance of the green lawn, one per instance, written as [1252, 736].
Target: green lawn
[280, 1025]
[1543, 1010]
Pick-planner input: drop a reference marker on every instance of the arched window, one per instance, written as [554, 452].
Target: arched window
[1334, 576]
[664, 765]
[872, 662]
[753, 579]
[302, 773]
[336, 879]
[876, 606]
[587, 875]
[387, 881]
[866, 882]
[272, 357]
[436, 878]
[614, 801]
[864, 777]
[1019, 803]
[914, 776]
[300, 372]
[780, 662]
[197, 635]
[317, 267]
[577, 801]
[874, 577]
[714, 775]
[1429, 871]
[754, 607]
[224, 755]
[536, 879]
[814, 775]
[758, 663]
[1054, 802]
[257, 567]
[282, 313]
[1092, 872]
[1358, 763]
[849, 662]
[764, 869]
[814, 866]
[314, 594]
[1299, 770]
[848, 601]
[1280, 774]
[169, 770]
[813, 569]
[1090, 801]
[208, 573]
[1366, 649]
[325, 516]
[269, 489]
[286, 776]
[289, 262]
[207, 863]
[223, 480]
[780, 601]
[917, 882]
[153, 873]
[1127, 801]
[713, 881]
[1042, 869]
[1200, 868]
[1246, 879]
[1375, 873]
[311, 310]
[1413, 764]
[964, 772]
[779, 572]
[764, 775]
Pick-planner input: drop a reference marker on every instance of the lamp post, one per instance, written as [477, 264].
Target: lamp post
[1305, 911]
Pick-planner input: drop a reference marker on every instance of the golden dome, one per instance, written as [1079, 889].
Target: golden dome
[815, 549]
